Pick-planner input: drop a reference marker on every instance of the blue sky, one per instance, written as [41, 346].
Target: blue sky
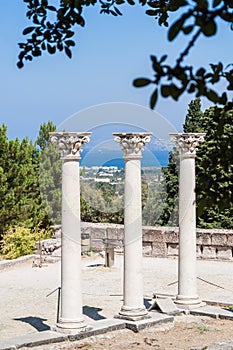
[110, 53]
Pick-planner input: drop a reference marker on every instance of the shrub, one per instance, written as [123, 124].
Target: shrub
[19, 240]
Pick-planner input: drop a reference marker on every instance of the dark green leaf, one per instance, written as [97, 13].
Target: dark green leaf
[163, 58]
[68, 52]
[131, 2]
[113, 13]
[175, 92]
[200, 72]
[28, 30]
[151, 12]
[70, 43]
[51, 8]
[187, 30]
[142, 2]
[209, 29]
[140, 82]
[153, 99]
[117, 11]
[175, 29]
[174, 5]
[69, 34]
[226, 16]
[20, 64]
[223, 98]
[191, 89]
[51, 49]
[212, 96]
[153, 4]
[165, 90]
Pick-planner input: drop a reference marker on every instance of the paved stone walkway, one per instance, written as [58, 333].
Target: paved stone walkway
[26, 307]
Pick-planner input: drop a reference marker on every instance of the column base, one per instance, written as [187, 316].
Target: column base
[66, 325]
[188, 303]
[131, 314]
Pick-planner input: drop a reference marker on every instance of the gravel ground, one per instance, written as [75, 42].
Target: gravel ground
[26, 307]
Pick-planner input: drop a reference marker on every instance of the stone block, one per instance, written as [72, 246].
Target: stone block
[213, 311]
[96, 328]
[203, 238]
[156, 318]
[159, 249]
[166, 306]
[224, 253]
[219, 239]
[230, 240]
[147, 249]
[172, 249]
[153, 235]
[115, 233]
[209, 252]
[98, 233]
[171, 237]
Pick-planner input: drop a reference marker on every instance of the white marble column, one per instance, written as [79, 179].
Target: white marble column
[132, 145]
[69, 145]
[187, 144]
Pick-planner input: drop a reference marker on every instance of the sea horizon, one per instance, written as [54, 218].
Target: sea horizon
[90, 158]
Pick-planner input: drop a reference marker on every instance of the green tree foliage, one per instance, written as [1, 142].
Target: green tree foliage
[101, 202]
[194, 117]
[214, 170]
[169, 212]
[43, 137]
[50, 173]
[53, 29]
[152, 201]
[20, 200]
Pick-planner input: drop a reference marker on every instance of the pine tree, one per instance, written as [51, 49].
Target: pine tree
[169, 215]
[214, 169]
[50, 173]
[194, 117]
[20, 201]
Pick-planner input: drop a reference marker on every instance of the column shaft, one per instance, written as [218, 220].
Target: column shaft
[70, 145]
[133, 281]
[133, 305]
[71, 291]
[187, 144]
[187, 235]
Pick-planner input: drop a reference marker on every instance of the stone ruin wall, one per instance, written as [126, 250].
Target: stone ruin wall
[163, 241]
[157, 241]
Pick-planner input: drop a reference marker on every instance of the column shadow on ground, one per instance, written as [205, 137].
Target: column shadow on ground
[93, 312]
[36, 322]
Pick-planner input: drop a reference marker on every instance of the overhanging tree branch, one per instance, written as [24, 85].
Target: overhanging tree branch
[53, 36]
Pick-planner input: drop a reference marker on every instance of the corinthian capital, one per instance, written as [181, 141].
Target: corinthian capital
[70, 143]
[187, 143]
[132, 143]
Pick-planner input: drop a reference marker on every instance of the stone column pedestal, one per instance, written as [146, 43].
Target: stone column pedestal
[70, 144]
[133, 306]
[186, 144]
